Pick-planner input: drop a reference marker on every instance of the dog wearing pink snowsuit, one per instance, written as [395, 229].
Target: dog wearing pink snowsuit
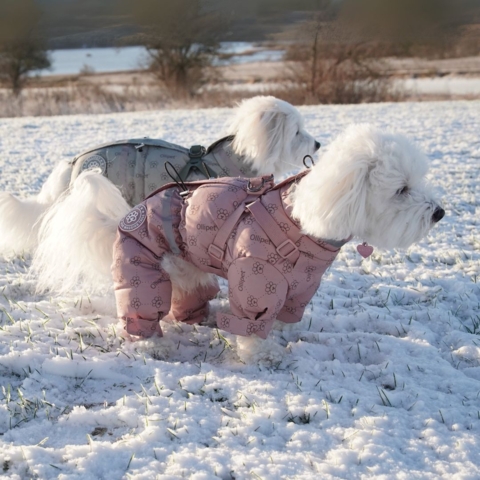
[239, 229]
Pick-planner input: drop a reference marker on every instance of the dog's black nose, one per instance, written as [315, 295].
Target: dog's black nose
[317, 145]
[438, 214]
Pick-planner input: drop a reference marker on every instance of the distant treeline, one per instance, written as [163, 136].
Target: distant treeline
[79, 23]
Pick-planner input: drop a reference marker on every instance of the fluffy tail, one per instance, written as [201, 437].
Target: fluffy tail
[20, 219]
[77, 234]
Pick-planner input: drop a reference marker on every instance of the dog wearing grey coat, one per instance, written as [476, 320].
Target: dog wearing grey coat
[266, 136]
[78, 212]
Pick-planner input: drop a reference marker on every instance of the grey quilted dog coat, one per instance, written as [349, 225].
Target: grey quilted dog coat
[137, 166]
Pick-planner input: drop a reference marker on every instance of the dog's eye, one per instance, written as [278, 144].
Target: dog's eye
[402, 191]
[298, 131]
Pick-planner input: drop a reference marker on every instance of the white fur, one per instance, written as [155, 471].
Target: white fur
[270, 134]
[267, 135]
[20, 218]
[185, 277]
[253, 349]
[354, 191]
[77, 233]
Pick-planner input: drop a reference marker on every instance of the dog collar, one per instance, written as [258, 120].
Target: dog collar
[364, 249]
[334, 243]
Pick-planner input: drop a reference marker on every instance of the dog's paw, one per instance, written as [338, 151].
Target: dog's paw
[256, 351]
[159, 348]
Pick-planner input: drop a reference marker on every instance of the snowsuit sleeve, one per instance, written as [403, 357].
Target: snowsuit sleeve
[257, 292]
[142, 287]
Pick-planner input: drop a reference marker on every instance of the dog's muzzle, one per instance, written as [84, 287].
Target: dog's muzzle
[438, 214]
[317, 145]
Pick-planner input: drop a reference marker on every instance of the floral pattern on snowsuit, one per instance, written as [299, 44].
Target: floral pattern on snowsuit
[263, 286]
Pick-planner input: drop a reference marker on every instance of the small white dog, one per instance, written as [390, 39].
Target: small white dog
[267, 131]
[272, 243]
[369, 185]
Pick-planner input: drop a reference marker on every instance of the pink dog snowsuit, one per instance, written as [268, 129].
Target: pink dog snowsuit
[240, 229]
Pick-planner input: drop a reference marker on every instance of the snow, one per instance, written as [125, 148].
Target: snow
[450, 85]
[381, 379]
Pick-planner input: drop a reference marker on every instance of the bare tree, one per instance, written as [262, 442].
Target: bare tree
[339, 55]
[18, 59]
[328, 64]
[406, 27]
[21, 50]
[182, 40]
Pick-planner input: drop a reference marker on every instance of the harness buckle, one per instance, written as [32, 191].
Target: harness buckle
[253, 187]
[291, 248]
[216, 252]
[197, 151]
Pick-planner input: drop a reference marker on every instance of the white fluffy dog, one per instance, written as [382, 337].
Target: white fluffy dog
[267, 132]
[368, 184]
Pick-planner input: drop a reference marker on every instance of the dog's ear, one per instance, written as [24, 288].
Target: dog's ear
[338, 204]
[331, 201]
[270, 136]
[245, 127]
[259, 128]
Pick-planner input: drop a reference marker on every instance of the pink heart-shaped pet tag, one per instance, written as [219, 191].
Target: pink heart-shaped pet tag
[364, 250]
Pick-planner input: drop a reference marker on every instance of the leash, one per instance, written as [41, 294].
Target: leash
[177, 178]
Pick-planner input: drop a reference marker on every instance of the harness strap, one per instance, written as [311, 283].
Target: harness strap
[167, 221]
[216, 250]
[284, 246]
[256, 188]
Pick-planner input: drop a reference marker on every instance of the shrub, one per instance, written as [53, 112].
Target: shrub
[323, 68]
[182, 40]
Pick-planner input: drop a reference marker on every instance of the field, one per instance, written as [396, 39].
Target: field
[381, 379]
[108, 80]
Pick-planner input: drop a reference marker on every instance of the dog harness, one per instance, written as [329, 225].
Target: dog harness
[240, 229]
[137, 166]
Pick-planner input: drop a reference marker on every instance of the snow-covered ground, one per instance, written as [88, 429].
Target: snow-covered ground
[450, 85]
[381, 379]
